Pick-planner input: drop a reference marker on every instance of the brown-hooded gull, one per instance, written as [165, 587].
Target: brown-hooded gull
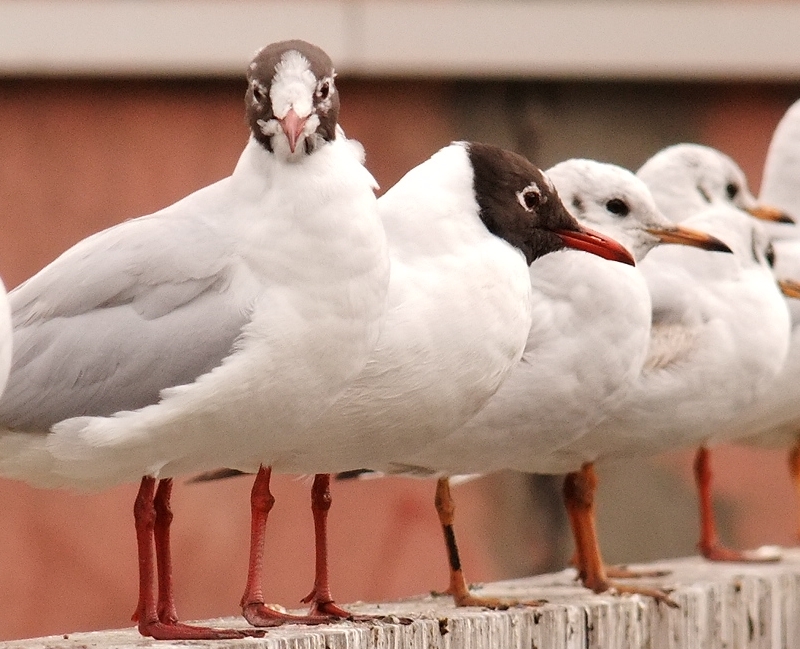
[203, 331]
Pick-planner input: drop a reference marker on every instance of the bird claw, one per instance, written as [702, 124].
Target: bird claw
[721, 553]
[494, 603]
[260, 615]
[660, 595]
[161, 631]
[331, 610]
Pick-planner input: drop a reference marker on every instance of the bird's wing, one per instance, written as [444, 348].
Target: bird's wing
[670, 343]
[145, 305]
[675, 322]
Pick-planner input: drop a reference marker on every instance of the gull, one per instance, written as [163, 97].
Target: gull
[463, 228]
[684, 179]
[774, 422]
[201, 332]
[584, 353]
[687, 178]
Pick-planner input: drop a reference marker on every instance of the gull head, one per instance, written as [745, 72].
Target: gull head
[614, 201]
[291, 101]
[520, 204]
[688, 178]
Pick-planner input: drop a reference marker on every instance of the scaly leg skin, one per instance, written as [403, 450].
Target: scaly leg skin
[458, 589]
[579, 489]
[322, 604]
[147, 611]
[165, 607]
[794, 471]
[710, 546]
[254, 610]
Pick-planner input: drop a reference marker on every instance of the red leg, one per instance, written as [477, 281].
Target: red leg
[144, 516]
[146, 614]
[710, 546]
[166, 598]
[320, 597]
[579, 490]
[255, 611]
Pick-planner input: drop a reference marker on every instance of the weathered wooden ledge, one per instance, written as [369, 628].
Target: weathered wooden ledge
[728, 606]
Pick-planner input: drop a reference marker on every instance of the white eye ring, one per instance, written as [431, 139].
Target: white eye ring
[531, 197]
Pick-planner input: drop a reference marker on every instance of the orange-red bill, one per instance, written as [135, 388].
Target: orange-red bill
[596, 244]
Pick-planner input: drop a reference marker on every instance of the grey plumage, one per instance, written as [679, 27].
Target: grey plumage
[122, 315]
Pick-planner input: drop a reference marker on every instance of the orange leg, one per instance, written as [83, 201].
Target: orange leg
[710, 546]
[146, 515]
[254, 610]
[619, 571]
[579, 490]
[794, 470]
[459, 590]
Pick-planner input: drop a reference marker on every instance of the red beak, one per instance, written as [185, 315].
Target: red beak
[595, 243]
[292, 125]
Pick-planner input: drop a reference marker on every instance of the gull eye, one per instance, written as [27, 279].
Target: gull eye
[324, 90]
[258, 92]
[732, 189]
[530, 198]
[618, 207]
[769, 255]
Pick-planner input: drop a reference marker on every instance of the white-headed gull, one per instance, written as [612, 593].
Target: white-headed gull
[208, 328]
[775, 420]
[687, 178]
[699, 175]
[585, 350]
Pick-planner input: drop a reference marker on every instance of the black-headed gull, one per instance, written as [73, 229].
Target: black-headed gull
[239, 313]
[585, 349]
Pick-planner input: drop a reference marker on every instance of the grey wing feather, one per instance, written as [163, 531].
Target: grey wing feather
[120, 316]
[670, 343]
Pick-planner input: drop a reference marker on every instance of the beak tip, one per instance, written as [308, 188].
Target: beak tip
[785, 218]
[721, 246]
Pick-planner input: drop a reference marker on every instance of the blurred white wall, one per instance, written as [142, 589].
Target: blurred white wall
[468, 38]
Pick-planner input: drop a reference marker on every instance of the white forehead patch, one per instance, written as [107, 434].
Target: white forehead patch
[293, 85]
